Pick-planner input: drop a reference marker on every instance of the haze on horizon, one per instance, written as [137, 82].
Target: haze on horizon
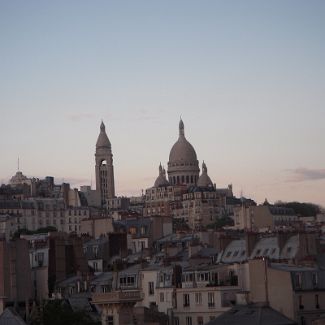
[248, 79]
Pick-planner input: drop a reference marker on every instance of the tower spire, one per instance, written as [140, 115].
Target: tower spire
[181, 128]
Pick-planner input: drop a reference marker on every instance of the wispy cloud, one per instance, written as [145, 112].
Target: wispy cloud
[306, 174]
[79, 116]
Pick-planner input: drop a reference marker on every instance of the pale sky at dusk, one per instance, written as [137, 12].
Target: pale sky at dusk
[247, 77]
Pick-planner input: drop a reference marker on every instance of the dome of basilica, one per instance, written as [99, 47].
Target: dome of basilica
[182, 151]
[183, 166]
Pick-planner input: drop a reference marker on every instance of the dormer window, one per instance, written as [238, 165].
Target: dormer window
[298, 278]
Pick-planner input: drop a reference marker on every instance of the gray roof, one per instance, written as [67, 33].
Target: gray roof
[251, 315]
[71, 280]
[103, 278]
[80, 302]
[235, 252]
[267, 246]
[11, 317]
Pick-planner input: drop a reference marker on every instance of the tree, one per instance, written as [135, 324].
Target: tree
[301, 209]
[57, 312]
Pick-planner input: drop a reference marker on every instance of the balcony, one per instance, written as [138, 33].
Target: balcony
[116, 297]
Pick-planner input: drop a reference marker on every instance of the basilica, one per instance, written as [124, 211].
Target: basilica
[186, 194]
[182, 192]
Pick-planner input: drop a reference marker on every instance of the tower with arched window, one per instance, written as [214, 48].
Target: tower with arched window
[104, 167]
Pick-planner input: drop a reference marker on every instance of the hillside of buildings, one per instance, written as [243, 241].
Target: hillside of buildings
[185, 252]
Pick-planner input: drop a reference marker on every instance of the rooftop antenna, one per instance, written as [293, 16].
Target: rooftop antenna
[91, 181]
[18, 165]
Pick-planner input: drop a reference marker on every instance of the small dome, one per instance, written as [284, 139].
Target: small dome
[102, 141]
[19, 178]
[182, 151]
[204, 180]
[161, 179]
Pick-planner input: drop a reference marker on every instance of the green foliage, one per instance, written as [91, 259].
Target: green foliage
[25, 231]
[56, 312]
[301, 209]
[221, 222]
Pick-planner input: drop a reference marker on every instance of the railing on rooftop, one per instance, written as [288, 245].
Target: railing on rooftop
[117, 297]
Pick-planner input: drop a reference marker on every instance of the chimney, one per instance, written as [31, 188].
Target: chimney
[283, 238]
[250, 240]
[222, 241]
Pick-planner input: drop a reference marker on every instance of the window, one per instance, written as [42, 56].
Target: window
[215, 278]
[151, 288]
[199, 320]
[110, 320]
[188, 320]
[314, 279]
[176, 321]
[162, 297]
[40, 258]
[211, 299]
[316, 302]
[198, 298]
[105, 288]
[186, 300]
[301, 306]
[127, 281]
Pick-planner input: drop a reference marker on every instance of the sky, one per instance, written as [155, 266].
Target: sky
[247, 78]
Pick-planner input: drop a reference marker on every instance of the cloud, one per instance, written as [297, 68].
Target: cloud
[306, 174]
[79, 116]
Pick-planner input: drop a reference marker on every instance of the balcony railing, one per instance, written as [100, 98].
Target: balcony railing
[117, 297]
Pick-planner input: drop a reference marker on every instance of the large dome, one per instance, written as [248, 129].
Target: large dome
[183, 166]
[182, 151]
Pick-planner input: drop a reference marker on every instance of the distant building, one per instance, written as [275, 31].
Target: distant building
[186, 195]
[15, 273]
[298, 292]
[264, 217]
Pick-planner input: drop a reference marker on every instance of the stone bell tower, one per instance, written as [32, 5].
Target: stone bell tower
[104, 167]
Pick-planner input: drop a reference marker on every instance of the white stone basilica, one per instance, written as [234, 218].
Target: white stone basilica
[186, 194]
